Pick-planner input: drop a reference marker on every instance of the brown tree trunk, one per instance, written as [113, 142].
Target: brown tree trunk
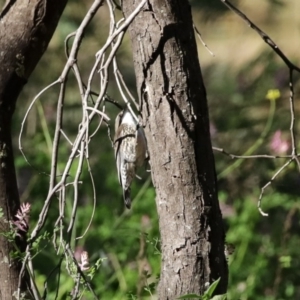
[26, 28]
[175, 114]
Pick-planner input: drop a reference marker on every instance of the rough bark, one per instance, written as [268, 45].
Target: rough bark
[26, 28]
[175, 115]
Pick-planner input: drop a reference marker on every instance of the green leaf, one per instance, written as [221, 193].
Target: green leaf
[207, 294]
[285, 261]
[212, 288]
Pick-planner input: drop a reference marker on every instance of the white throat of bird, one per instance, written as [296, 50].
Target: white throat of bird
[128, 118]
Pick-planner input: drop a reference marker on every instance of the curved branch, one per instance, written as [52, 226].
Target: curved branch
[263, 35]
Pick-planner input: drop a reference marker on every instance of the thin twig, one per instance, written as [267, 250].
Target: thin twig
[128, 104]
[202, 41]
[27, 113]
[262, 34]
[67, 43]
[234, 156]
[66, 137]
[75, 185]
[94, 201]
[103, 115]
[75, 291]
[292, 112]
[268, 183]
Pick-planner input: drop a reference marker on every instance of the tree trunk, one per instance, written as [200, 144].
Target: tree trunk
[175, 115]
[25, 30]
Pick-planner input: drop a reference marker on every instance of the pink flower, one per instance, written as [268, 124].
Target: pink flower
[84, 265]
[82, 258]
[278, 144]
[22, 219]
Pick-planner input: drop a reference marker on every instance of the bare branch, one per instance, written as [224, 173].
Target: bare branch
[201, 40]
[27, 113]
[267, 184]
[263, 35]
[94, 201]
[234, 156]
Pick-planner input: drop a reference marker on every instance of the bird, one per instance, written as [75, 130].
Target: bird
[130, 147]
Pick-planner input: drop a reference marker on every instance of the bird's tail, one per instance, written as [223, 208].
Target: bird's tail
[127, 198]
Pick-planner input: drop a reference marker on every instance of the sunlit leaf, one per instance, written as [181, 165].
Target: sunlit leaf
[212, 288]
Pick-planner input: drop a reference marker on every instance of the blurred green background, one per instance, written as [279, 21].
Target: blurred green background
[266, 263]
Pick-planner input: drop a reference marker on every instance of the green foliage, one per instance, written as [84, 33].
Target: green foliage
[265, 248]
[41, 243]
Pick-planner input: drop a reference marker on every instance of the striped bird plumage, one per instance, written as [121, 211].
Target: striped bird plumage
[130, 151]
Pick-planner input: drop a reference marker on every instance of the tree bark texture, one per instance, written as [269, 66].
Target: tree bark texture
[175, 115]
[26, 28]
